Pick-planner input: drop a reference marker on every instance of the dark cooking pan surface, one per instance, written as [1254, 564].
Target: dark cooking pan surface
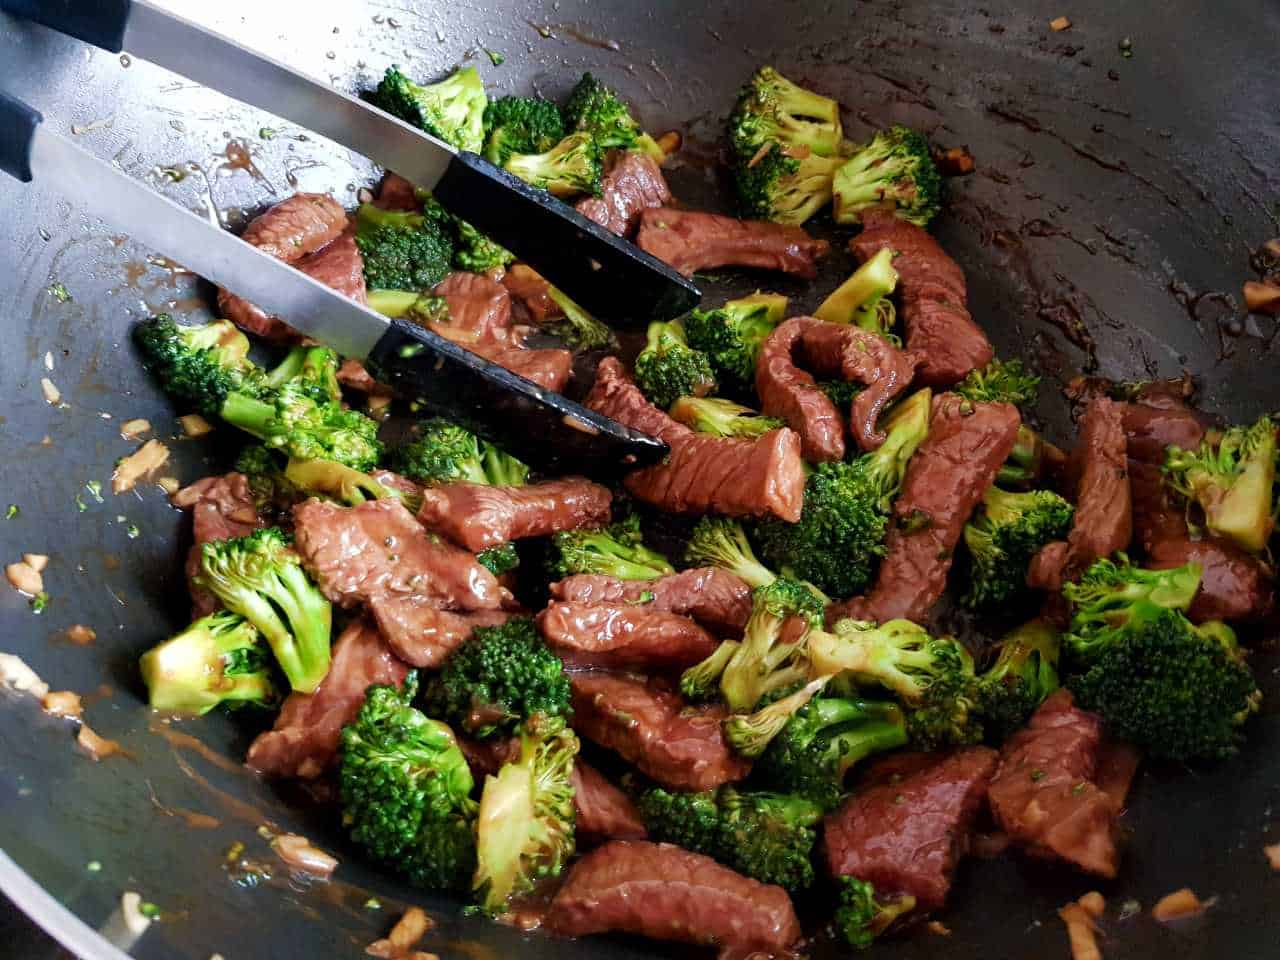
[1108, 226]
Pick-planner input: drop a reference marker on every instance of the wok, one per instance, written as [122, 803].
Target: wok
[1107, 228]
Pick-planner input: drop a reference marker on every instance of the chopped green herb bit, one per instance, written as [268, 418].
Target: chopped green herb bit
[59, 292]
[95, 490]
[39, 602]
[93, 866]
[266, 133]
[132, 531]
[11, 512]
[373, 903]
[496, 58]
[148, 909]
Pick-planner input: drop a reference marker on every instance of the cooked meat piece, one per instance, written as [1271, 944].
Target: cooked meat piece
[625, 637]
[715, 598]
[1234, 584]
[549, 369]
[661, 891]
[704, 473]
[1103, 521]
[938, 325]
[791, 394]
[678, 745]
[221, 508]
[951, 470]
[632, 184]
[339, 266]
[395, 482]
[378, 548]
[478, 516]
[304, 740]
[1150, 429]
[691, 241]
[479, 307]
[1044, 796]
[528, 287]
[1155, 518]
[420, 633]
[906, 832]
[353, 375]
[396, 193]
[1117, 766]
[840, 350]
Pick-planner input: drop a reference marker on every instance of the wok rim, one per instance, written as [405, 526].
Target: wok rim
[53, 917]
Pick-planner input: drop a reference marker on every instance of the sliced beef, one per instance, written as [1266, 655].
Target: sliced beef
[304, 740]
[1151, 428]
[1234, 584]
[661, 891]
[222, 508]
[791, 394]
[632, 184]
[678, 745]
[905, 833]
[1103, 521]
[549, 369]
[715, 598]
[1045, 796]
[339, 266]
[938, 325]
[529, 288]
[691, 241]
[951, 470]
[625, 637]
[378, 548]
[703, 473]
[1155, 516]
[396, 193]
[479, 306]
[353, 375]
[420, 633]
[478, 516]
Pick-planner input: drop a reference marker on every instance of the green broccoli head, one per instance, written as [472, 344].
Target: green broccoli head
[722, 542]
[520, 125]
[423, 309]
[840, 392]
[1026, 462]
[1000, 381]
[402, 250]
[722, 418]
[895, 168]
[218, 659]
[776, 185]
[863, 299]
[406, 791]
[497, 680]
[444, 452]
[1003, 538]
[311, 372]
[617, 550]
[1176, 691]
[525, 830]
[668, 368]
[573, 166]
[333, 481]
[1024, 673]
[861, 916]
[576, 327]
[750, 733]
[452, 109]
[472, 250]
[771, 658]
[732, 336]
[594, 109]
[772, 108]
[500, 559]
[1231, 483]
[701, 682]
[198, 365]
[259, 577]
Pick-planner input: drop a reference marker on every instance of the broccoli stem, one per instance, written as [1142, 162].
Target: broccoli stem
[906, 426]
[392, 303]
[855, 300]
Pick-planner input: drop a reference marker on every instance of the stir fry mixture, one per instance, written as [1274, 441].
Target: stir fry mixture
[671, 707]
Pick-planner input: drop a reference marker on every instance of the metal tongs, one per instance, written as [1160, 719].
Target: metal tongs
[542, 428]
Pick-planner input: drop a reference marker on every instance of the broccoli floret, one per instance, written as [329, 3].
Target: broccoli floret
[1000, 381]
[500, 559]
[406, 791]
[291, 421]
[422, 308]
[862, 916]
[474, 252]
[402, 250]
[199, 365]
[1231, 483]
[840, 392]
[772, 108]
[668, 368]
[863, 299]
[775, 185]
[596, 110]
[750, 733]
[722, 418]
[259, 577]
[721, 542]
[701, 682]
[525, 831]
[452, 109]
[577, 328]
[282, 484]
[767, 661]
[1025, 463]
[447, 453]
[311, 372]
[767, 836]
[895, 167]
[933, 676]
[1004, 536]
[572, 166]
[840, 536]
[496, 680]
[520, 125]
[732, 336]
[823, 740]
[1174, 690]
[617, 550]
[1114, 597]
[1024, 673]
[218, 659]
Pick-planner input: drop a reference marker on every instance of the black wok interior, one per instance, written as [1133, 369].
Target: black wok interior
[1107, 228]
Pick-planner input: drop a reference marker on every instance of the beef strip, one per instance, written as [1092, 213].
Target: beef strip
[222, 508]
[304, 739]
[1234, 584]
[396, 193]
[1103, 521]
[704, 473]
[625, 637]
[549, 369]
[938, 325]
[905, 831]
[378, 548]
[353, 375]
[679, 746]
[529, 288]
[420, 633]
[1044, 795]
[1150, 428]
[691, 241]
[478, 516]
[479, 306]
[791, 394]
[661, 891]
[339, 266]
[944, 481]
[1155, 517]
[715, 598]
[632, 184]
